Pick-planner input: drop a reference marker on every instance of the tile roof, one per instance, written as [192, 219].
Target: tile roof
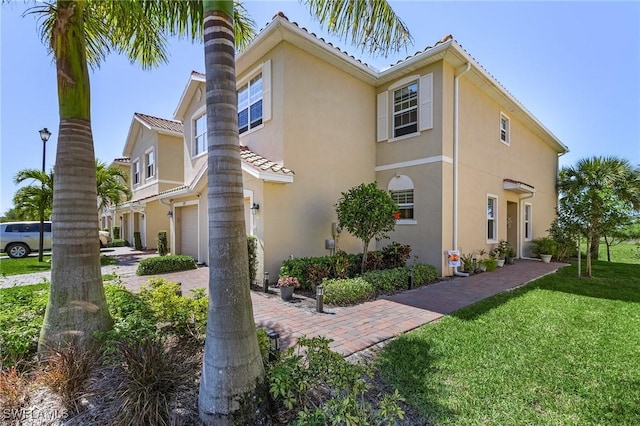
[261, 163]
[160, 123]
[125, 160]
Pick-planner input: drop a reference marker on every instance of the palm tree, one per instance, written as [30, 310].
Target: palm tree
[596, 190]
[111, 185]
[81, 33]
[35, 197]
[232, 386]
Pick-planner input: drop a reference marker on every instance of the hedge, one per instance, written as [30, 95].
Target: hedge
[344, 292]
[163, 264]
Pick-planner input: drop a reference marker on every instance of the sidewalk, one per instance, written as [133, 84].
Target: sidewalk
[355, 328]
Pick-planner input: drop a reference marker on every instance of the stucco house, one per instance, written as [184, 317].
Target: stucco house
[466, 162]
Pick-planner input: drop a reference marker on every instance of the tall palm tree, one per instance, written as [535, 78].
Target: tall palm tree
[232, 387]
[111, 185]
[79, 34]
[35, 197]
[593, 189]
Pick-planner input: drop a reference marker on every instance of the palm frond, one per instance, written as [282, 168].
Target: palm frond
[372, 25]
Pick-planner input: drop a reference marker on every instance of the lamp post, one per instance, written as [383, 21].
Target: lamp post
[45, 134]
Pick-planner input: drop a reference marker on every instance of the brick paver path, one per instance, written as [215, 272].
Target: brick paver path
[358, 327]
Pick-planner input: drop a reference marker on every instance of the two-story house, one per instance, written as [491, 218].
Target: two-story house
[466, 162]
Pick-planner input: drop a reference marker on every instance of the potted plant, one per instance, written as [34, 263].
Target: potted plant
[488, 264]
[500, 252]
[287, 285]
[544, 247]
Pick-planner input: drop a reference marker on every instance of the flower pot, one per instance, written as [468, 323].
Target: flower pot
[546, 258]
[500, 263]
[286, 293]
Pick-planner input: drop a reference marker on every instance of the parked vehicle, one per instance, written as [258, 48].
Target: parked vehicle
[19, 239]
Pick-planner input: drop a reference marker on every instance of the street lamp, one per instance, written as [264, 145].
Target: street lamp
[44, 135]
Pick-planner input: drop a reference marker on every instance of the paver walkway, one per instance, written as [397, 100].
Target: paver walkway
[356, 328]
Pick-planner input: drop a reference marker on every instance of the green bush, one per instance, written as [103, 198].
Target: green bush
[137, 241]
[116, 232]
[388, 280]
[21, 314]
[489, 263]
[343, 292]
[163, 246]
[119, 243]
[424, 274]
[160, 265]
[252, 247]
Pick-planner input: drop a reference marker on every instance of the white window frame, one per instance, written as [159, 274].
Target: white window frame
[413, 101]
[150, 166]
[527, 221]
[253, 98]
[493, 218]
[135, 172]
[505, 136]
[199, 135]
[398, 185]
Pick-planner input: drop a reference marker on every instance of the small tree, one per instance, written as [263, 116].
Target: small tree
[367, 212]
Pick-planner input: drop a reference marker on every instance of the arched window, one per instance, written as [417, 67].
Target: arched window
[401, 188]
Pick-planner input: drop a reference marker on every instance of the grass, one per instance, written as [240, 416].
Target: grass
[29, 265]
[559, 351]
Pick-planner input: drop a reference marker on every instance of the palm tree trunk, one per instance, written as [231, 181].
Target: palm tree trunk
[232, 386]
[77, 306]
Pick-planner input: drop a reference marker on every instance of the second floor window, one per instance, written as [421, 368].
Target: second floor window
[405, 110]
[136, 172]
[250, 104]
[200, 135]
[504, 129]
[150, 162]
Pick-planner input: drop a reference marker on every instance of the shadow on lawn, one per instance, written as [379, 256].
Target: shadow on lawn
[405, 363]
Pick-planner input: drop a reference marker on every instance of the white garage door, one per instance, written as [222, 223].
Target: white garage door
[189, 231]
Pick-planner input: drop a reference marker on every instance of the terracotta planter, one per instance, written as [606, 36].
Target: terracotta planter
[546, 258]
[286, 293]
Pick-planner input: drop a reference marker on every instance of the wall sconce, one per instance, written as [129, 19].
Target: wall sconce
[170, 214]
[254, 208]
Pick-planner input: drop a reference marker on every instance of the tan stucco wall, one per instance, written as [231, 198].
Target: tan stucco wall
[323, 128]
[156, 220]
[169, 160]
[485, 162]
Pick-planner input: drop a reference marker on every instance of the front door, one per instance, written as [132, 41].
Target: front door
[512, 225]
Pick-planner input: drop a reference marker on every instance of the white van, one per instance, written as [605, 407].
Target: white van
[18, 239]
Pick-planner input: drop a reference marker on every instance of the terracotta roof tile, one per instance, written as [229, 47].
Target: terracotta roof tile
[125, 160]
[261, 163]
[160, 123]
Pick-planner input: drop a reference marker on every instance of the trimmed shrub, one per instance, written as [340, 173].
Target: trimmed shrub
[349, 291]
[119, 243]
[116, 233]
[252, 247]
[163, 246]
[424, 274]
[137, 241]
[395, 255]
[388, 280]
[161, 265]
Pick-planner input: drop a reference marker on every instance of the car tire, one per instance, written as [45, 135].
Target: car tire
[18, 250]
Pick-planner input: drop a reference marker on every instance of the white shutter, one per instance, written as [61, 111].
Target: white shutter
[426, 102]
[266, 91]
[383, 114]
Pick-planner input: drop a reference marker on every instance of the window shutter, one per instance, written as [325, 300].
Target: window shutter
[383, 121]
[426, 102]
[266, 91]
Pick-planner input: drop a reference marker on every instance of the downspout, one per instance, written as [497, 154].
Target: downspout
[456, 79]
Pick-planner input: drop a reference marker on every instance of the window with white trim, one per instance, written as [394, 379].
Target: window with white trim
[405, 110]
[250, 104]
[492, 218]
[504, 129]
[150, 163]
[135, 172]
[200, 135]
[401, 190]
[528, 234]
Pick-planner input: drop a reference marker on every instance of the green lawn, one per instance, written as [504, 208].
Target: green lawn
[560, 351]
[29, 265]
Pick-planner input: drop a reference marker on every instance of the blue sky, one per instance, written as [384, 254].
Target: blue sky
[573, 65]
